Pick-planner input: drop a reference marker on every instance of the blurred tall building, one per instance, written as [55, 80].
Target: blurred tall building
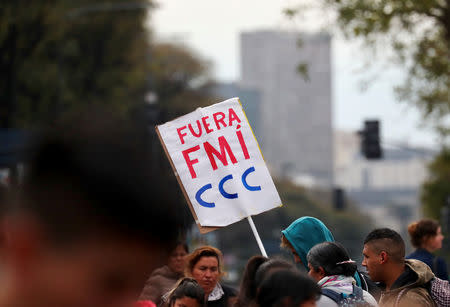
[250, 100]
[295, 129]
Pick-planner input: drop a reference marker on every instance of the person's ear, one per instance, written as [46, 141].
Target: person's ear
[321, 272]
[383, 256]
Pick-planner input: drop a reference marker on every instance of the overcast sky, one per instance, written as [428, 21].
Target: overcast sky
[211, 28]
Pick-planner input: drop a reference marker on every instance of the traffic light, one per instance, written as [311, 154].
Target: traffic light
[370, 140]
[338, 199]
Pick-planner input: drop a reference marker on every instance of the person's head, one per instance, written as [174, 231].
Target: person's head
[426, 234]
[247, 290]
[268, 267]
[329, 258]
[302, 235]
[288, 288]
[91, 213]
[187, 293]
[384, 249]
[205, 265]
[177, 258]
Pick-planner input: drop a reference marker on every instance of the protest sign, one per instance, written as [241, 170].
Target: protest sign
[219, 165]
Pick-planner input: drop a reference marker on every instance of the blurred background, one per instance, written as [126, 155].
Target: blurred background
[349, 100]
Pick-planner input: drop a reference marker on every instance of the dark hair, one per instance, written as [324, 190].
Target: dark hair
[93, 175]
[388, 240]
[384, 233]
[268, 266]
[204, 251]
[422, 230]
[247, 291]
[183, 244]
[187, 287]
[287, 288]
[329, 256]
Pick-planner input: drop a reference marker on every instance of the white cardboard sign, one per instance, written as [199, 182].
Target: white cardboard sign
[218, 160]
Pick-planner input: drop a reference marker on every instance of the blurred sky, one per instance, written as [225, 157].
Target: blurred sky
[211, 28]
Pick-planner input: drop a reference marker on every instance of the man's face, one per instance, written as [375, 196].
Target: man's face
[105, 271]
[373, 264]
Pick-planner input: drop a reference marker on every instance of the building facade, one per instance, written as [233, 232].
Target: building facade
[387, 189]
[250, 100]
[295, 114]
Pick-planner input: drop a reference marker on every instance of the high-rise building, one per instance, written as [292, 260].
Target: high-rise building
[296, 113]
[250, 100]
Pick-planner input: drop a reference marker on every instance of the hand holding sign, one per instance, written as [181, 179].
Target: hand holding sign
[219, 164]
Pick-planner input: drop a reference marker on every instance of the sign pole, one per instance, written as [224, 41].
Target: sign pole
[255, 233]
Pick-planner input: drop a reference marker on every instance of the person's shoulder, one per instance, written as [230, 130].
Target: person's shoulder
[415, 252]
[325, 301]
[441, 263]
[228, 290]
[440, 260]
[418, 296]
[420, 254]
[155, 278]
[412, 254]
[368, 298]
[158, 271]
[441, 268]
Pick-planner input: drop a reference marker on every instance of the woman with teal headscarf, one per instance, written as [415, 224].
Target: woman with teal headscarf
[306, 232]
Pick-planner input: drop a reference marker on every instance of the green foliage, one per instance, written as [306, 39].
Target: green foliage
[419, 33]
[290, 12]
[60, 55]
[174, 71]
[302, 69]
[436, 189]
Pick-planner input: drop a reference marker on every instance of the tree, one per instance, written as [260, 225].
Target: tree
[179, 78]
[58, 55]
[418, 31]
[436, 190]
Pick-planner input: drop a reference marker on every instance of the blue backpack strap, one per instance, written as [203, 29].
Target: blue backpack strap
[358, 279]
[336, 297]
[358, 293]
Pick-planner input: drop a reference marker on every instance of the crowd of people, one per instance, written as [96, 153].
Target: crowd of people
[327, 276]
[91, 225]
